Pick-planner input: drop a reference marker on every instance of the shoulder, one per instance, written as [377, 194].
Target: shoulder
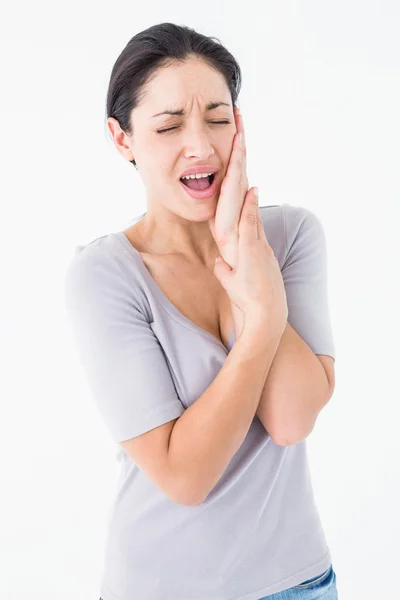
[291, 229]
[303, 229]
[94, 260]
[101, 270]
[299, 216]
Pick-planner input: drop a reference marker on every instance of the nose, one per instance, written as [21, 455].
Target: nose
[198, 144]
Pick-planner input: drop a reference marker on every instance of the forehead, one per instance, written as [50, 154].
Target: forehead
[179, 85]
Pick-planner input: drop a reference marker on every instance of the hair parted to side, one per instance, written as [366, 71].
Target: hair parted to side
[157, 47]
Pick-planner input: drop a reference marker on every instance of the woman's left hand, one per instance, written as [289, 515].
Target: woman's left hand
[225, 224]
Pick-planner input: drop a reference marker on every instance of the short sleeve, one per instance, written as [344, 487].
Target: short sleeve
[304, 273]
[122, 358]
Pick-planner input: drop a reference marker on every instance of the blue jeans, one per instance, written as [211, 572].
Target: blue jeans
[323, 587]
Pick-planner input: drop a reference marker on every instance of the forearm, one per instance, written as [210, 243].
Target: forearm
[295, 391]
[212, 429]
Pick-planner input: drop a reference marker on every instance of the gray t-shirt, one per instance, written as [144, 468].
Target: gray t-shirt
[258, 532]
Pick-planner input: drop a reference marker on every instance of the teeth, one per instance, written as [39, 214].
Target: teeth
[196, 176]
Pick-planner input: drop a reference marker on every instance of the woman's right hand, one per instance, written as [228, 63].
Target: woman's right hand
[255, 285]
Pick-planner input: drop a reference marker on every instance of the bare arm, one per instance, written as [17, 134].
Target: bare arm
[298, 386]
[212, 429]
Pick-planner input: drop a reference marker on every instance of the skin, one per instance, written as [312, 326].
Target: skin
[176, 223]
[202, 230]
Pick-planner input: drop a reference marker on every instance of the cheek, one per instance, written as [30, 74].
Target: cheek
[156, 156]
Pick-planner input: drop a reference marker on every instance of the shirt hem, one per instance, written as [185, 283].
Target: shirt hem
[288, 582]
[284, 584]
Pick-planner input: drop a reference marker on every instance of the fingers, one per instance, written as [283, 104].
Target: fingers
[247, 210]
[249, 219]
[236, 170]
[236, 173]
[261, 231]
[233, 190]
[251, 226]
[240, 129]
[231, 195]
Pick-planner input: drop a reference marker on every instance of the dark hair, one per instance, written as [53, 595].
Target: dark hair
[154, 48]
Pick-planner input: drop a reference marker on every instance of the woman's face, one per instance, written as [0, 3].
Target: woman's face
[194, 138]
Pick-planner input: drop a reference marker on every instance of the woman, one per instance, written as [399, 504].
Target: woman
[214, 499]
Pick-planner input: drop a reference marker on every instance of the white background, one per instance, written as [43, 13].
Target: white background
[320, 102]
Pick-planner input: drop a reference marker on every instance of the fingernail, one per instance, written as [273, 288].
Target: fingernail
[255, 190]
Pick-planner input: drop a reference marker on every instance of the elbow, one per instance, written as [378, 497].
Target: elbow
[182, 487]
[191, 504]
[194, 497]
[290, 438]
[189, 501]
[186, 495]
[283, 440]
[281, 436]
[294, 432]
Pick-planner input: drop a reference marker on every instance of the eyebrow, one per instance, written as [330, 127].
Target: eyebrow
[180, 112]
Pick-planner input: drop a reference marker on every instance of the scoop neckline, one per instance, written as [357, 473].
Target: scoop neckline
[164, 302]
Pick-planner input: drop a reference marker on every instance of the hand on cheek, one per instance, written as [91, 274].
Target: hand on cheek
[225, 224]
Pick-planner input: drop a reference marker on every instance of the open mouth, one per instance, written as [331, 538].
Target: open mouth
[202, 183]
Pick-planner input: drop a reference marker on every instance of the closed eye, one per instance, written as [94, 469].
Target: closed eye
[177, 127]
